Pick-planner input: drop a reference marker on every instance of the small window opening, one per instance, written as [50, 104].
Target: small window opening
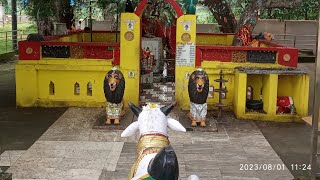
[76, 89]
[89, 89]
[51, 88]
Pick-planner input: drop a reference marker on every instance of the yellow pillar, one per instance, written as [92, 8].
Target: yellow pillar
[240, 86]
[130, 55]
[185, 57]
[305, 87]
[26, 85]
[269, 93]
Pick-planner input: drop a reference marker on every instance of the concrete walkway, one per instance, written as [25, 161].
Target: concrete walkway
[71, 149]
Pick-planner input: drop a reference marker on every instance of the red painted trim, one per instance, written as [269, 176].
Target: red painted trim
[52, 43]
[116, 56]
[239, 48]
[29, 50]
[281, 51]
[215, 34]
[294, 56]
[50, 38]
[198, 57]
[217, 55]
[88, 47]
[98, 32]
[270, 43]
[174, 4]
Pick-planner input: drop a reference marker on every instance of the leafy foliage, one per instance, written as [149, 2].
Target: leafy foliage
[112, 6]
[45, 13]
[37, 9]
[307, 10]
[7, 6]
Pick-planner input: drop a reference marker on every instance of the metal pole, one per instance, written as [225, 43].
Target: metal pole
[315, 115]
[6, 41]
[90, 20]
[14, 24]
[117, 21]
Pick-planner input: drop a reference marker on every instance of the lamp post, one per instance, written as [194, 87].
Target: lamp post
[90, 15]
[14, 24]
[117, 20]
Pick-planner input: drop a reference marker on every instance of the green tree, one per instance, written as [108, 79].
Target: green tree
[45, 13]
[42, 12]
[307, 10]
[7, 7]
[251, 9]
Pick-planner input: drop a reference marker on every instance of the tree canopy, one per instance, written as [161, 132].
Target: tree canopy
[229, 14]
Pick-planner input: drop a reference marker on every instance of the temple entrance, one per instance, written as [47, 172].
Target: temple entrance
[158, 45]
[157, 83]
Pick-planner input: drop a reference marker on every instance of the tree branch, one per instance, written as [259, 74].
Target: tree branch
[223, 14]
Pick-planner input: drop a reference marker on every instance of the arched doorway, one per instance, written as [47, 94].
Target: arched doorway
[158, 45]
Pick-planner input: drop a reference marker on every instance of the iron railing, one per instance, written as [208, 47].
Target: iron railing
[302, 42]
[6, 39]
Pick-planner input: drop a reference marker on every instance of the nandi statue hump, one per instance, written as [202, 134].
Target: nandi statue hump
[156, 158]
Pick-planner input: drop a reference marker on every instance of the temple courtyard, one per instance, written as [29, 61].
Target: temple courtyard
[71, 149]
[61, 143]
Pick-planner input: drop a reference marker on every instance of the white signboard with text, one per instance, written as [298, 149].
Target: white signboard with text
[185, 54]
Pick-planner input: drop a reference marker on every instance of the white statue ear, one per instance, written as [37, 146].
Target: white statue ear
[130, 130]
[175, 125]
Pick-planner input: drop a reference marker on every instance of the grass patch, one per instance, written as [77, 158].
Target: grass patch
[6, 35]
[21, 26]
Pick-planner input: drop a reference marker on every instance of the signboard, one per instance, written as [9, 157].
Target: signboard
[130, 24]
[186, 25]
[185, 54]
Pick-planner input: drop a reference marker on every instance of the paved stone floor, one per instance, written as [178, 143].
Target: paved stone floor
[71, 149]
[20, 127]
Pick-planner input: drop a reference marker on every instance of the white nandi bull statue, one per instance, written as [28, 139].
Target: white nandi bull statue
[156, 158]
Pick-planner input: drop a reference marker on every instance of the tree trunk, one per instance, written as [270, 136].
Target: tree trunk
[45, 26]
[269, 12]
[14, 24]
[305, 14]
[222, 12]
[248, 20]
[65, 12]
[249, 17]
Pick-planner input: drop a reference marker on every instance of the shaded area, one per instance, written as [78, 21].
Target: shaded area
[310, 69]
[291, 141]
[20, 127]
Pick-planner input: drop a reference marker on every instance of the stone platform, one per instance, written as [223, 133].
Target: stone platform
[71, 149]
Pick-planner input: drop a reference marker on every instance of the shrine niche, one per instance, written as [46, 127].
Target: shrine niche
[158, 51]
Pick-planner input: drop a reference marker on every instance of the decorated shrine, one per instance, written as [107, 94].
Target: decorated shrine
[258, 80]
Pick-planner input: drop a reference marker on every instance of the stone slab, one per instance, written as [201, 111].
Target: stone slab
[125, 121]
[7, 158]
[186, 122]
